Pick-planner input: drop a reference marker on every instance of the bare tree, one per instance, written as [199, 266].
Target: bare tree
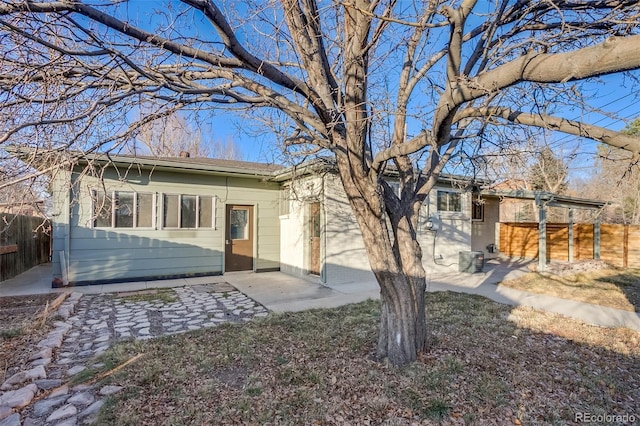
[170, 135]
[616, 178]
[375, 83]
[528, 162]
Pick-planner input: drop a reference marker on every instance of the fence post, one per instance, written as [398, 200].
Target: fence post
[625, 247]
[542, 235]
[596, 239]
[571, 236]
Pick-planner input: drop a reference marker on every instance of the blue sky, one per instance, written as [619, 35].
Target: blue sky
[613, 94]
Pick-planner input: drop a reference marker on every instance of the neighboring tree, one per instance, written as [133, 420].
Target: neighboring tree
[549, 172]
[170, 135]
[529, 164]
[617, 179]
[29, 197]
[377, 84]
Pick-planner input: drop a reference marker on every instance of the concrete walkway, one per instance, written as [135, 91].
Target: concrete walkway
[279, 292]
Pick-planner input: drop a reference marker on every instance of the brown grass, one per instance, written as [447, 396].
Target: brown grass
[21, 328]
[487, 364]
[615, 288]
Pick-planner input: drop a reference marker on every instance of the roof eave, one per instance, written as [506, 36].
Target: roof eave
[175, 166]
[549, 198]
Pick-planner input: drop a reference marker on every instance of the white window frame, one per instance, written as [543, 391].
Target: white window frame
[112, 196]
[284, 201]
[214, 204]
[452, 212]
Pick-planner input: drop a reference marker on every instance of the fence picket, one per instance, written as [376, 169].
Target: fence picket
[24, 243]
[620, 244]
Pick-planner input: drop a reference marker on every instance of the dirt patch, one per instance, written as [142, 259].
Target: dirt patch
[21, 329]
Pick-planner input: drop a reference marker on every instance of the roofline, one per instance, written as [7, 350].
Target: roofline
[167, 164]
[549, 198]
[313, 166]
[320, 165]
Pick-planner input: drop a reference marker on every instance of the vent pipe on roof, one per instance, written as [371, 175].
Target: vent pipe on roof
[184, 154]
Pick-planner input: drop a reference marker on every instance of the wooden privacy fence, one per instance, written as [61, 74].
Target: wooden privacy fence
[619, 244]
[24, 243]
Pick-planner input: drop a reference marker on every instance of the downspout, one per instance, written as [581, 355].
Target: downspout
[65, 254]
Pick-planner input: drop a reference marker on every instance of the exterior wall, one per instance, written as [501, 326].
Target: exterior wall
[60, 214]
[343, 255]
[485, 232]
[346, 259]
[450, 234]
[120, 254]
[294, 229]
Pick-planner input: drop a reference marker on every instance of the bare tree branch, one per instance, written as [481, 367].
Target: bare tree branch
[572, 127]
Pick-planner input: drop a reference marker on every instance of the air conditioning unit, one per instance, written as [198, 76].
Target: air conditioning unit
[470, 261]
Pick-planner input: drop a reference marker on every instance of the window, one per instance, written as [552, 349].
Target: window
[449, 201]
[239, 226]
[395, 186]
[478, 211]
[188, 211]
[102, 210]
[285, 201]
[124, 209]
[121, 209]
[171, 211]
[205, 212]
[145, 209]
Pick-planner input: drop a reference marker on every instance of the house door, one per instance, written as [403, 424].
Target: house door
[314, 238]
[239, 238]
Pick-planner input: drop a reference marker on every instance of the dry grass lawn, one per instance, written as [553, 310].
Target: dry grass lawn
[21, 328]
[487, 364]
[615, 288]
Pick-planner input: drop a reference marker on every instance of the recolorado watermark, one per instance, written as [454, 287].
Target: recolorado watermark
[605, 418]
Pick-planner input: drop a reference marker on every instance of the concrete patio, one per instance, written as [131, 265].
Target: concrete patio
[279, 292]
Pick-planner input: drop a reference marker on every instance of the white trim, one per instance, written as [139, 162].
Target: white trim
[136, 207]
[113, 209]
[449, 191]
[214, 211]
[254, 261]
[112, 196]
[197, 212]
[154, 208]
[213, 225]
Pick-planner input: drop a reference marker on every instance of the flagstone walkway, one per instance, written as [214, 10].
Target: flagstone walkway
[88, 325]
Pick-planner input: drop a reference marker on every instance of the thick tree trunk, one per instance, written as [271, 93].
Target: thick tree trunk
[403, 332]
[396, 260]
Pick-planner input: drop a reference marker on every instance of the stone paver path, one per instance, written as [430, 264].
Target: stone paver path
[89, 325]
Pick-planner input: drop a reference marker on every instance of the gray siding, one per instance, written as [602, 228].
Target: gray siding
[110, 254]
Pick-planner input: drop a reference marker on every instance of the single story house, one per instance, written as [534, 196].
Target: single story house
[119, 218]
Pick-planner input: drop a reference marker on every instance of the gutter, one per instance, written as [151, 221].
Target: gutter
[168, 165]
